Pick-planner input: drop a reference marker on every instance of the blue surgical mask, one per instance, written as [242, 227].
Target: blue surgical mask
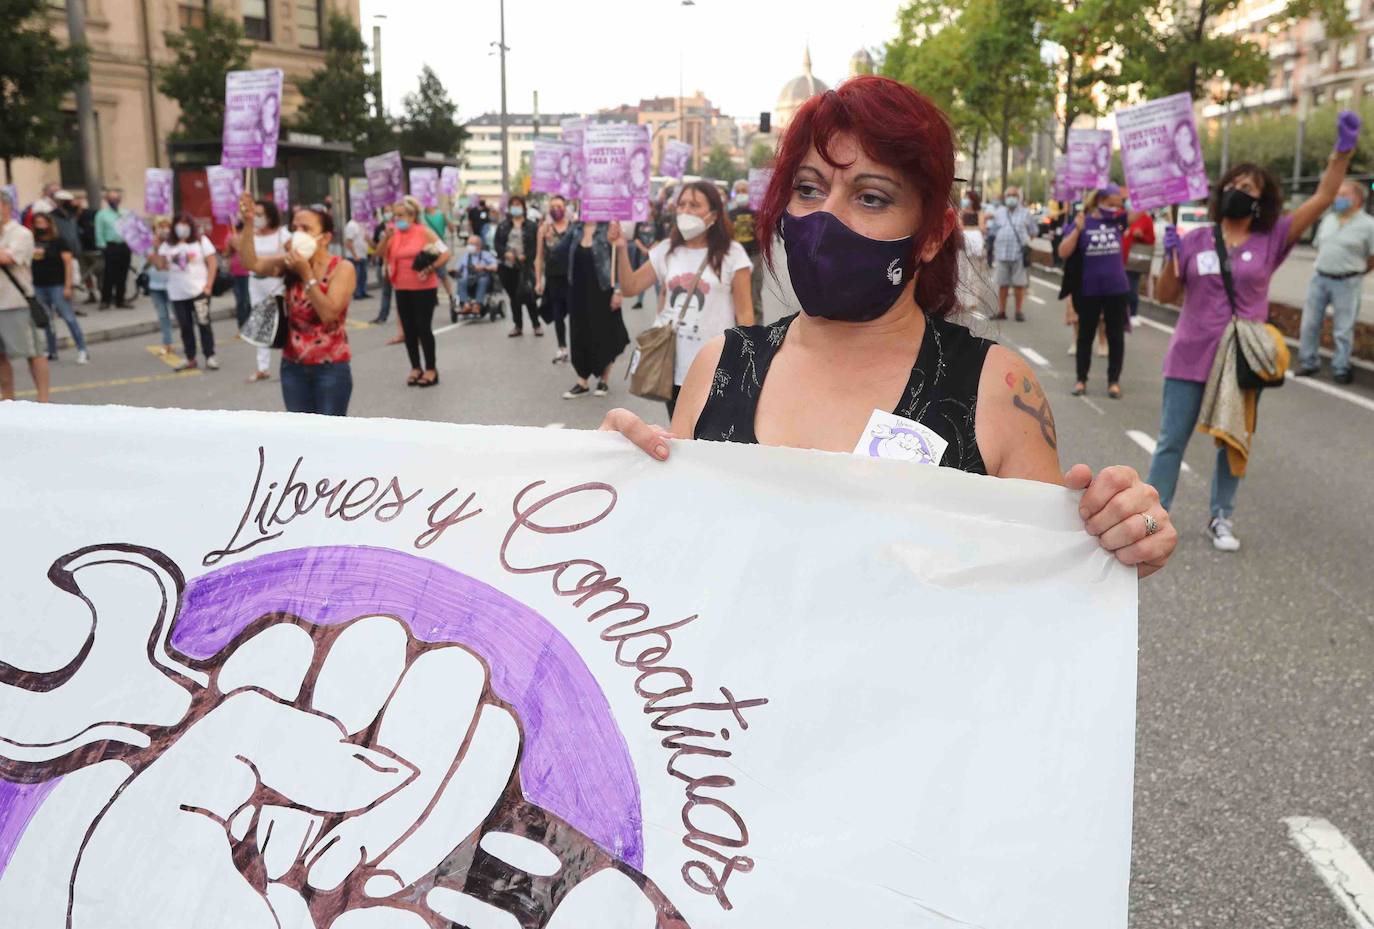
[1341, 204]
[517, 211]
[965, 203]
[1012, 202]
[402, 224]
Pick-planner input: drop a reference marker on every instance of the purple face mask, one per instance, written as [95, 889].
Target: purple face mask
[839, 274]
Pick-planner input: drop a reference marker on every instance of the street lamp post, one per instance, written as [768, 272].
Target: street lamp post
[681, 122]
[377, 61]
[85, 110]
[505, 141]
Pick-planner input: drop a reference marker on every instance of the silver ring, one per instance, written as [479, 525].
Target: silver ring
[1151, 527]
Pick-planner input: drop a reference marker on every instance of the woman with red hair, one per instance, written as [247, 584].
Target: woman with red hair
[861, 200]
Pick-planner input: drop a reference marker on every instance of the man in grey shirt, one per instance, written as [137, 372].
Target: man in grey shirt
[1345, 253]
[18, 338]
[1010, 230]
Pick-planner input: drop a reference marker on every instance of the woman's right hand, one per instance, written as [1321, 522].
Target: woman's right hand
[246, 209]
[1080, 220]
[539, 288]
[653, 440]
[613, 233]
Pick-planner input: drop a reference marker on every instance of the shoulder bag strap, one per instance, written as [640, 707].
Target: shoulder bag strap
[1225, 261]
[682, 313]
[20, 287]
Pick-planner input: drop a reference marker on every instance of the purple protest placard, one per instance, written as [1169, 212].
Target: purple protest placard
[226, 184]
[1089, 158]
[252, 118]
[138, 235]
[1160, 152]
[675, 157]
[424, 186]
[573, 132]
[359, 204]
[759, 179]
[157, 191]
[551, 167]
[449, 179]
[617, 178]
[281, 194]
[1063, 191]
[385, 178]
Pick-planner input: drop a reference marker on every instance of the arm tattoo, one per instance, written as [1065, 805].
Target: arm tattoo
[1031, 400]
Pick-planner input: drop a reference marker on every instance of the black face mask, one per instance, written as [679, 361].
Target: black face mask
[1237, 204]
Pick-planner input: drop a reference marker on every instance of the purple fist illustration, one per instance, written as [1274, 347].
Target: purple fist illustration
[1172, 242]
[1347, 131]
[339, 775]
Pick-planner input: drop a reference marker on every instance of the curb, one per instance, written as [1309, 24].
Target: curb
[130, 329]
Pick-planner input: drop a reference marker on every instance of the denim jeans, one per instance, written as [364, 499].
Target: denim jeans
[163, 306]
[483, 284]
[1343, 296]
[50, 295]
[242, 305]
[319, 388]
[1133, 278]
[1178, 419]
[385, 309]
[360, 267]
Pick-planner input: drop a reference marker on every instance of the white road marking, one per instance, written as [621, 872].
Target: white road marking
[443, 329]
[1153, 324]
[555, 426]
[1035, 357]
[1100, 411]
[1148, 443]
[1034, 299]
[1326, 388]
[1338, 864]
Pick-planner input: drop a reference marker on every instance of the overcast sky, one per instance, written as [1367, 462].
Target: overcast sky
[585, 55]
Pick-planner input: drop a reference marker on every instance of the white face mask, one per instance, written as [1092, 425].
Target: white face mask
[690, 225]
[259, 222]
[303, 244]
[182, 230]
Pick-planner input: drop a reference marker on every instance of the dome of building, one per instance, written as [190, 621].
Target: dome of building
[861, 62]
[796, 92]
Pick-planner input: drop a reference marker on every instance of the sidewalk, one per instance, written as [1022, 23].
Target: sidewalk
[105, 325]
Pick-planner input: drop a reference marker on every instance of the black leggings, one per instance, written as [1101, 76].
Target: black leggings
[555, 307]
[1113, 310]
[521, 294]
[416, 309]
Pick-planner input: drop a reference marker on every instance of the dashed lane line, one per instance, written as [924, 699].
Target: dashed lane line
[1034, 299]
[1035, 357]
[115, 382]
[555, 425]
[1147, 442]
[1100, 411]
[1338, 864]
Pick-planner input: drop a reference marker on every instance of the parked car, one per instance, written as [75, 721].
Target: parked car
[1191, 217]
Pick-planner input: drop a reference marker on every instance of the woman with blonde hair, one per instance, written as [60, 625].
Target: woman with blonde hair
[415, 257]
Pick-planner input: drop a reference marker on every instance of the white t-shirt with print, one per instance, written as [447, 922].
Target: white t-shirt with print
[267, 245]
[711, 312]
[187, 273]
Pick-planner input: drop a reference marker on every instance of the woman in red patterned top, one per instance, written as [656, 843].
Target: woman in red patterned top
[315, 373]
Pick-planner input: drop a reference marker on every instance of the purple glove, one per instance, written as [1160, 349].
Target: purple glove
[1347, 131]
[1172, 243]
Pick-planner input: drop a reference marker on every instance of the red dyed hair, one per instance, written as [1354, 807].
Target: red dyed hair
[896, 126]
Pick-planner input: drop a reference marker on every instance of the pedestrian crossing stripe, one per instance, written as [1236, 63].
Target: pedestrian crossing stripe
[115, 382]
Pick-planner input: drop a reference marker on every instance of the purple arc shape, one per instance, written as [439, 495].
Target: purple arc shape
[575, 762]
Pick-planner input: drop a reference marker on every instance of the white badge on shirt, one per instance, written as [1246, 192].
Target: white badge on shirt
[891, 436]
[1208, 263]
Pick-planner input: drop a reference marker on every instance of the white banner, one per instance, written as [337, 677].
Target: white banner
[303, 672]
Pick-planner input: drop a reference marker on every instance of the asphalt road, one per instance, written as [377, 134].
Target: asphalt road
[1256, 697]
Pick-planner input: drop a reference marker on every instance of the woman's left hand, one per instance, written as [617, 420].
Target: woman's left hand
[1114, 508]
[615, 300]
[299, 265]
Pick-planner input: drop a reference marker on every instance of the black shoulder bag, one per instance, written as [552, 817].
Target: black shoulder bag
[1245, 375]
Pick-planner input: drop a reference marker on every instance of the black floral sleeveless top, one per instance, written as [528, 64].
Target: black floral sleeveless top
[941, 394]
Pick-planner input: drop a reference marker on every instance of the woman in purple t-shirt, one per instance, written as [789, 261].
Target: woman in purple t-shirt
[1103, 292]
[1248, 207]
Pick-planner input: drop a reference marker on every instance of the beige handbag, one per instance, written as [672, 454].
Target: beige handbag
[655, 354]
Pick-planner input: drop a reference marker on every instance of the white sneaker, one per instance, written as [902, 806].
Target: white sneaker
[1223, 538]
[83, 357]
[212, 363]
[1073, 349]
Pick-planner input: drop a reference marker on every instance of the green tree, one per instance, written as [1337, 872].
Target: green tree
[720, 166]
[340, 99]
[195, 77]
[430, 122]
[35, 74]
[761, 155]
[1096, 37]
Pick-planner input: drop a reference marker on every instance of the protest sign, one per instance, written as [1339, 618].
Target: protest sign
[424, 186]
[252, 118]
[385, 179]
[281, 194]
[360, 207]
[1160, 153]
[1089, 158]
[442, 670]
[551, 167]
[573, 131]
[449, 178]
[226, 185]
[138, 235]
[157, 191]
[1063, 191]
[616, 186]
[759, 178]
[675, 157]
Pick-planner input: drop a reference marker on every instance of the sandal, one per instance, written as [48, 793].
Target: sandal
[414, 378]
[1114, 391]
[428, 381]
[514, 334]
[1079, 389]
